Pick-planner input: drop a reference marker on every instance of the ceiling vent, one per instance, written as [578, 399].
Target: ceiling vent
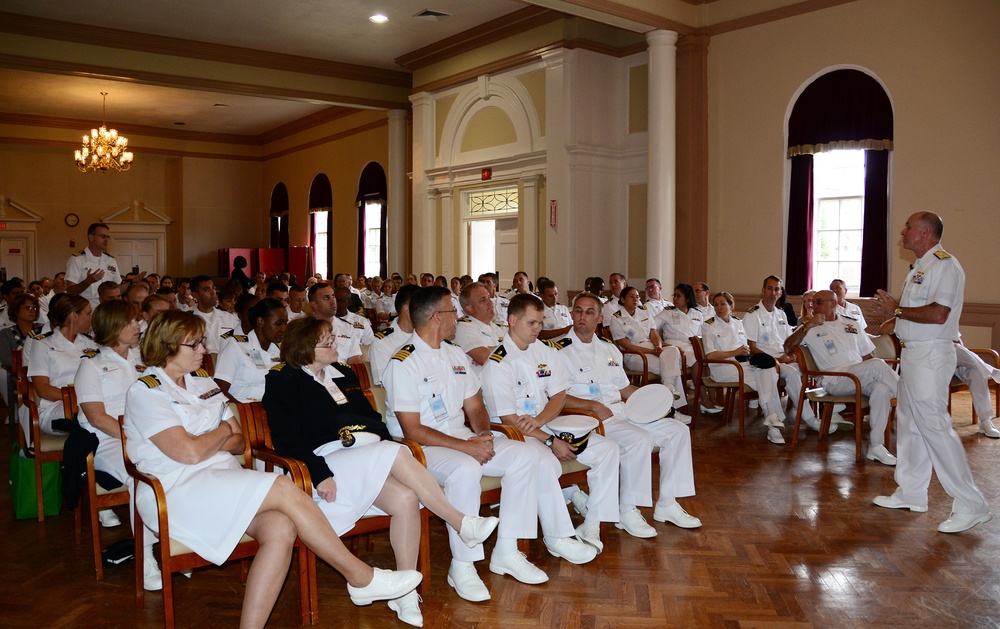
[432, 14]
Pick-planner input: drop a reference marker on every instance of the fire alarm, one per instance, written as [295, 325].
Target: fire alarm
[487, 174]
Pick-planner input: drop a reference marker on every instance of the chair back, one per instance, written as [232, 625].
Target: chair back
[361, 372]
[70, 407]
[256, 431]
[208, 364]
[699, 357]
[806, 362]
[886, 347]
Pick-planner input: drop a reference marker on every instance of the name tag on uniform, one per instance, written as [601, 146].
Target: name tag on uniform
[257, 359]
[335, 392]
[438, 408]
[527, 406]
[831, 347]
[595, 391]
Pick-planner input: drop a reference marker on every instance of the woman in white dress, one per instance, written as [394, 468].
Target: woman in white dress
[245, 360]
[319, 414]
[180, 429]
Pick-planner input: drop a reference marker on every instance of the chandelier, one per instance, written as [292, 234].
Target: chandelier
[104, 149]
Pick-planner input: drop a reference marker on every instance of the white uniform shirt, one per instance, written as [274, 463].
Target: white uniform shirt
[472, 333]
[105, 377]
[634, 327]
[853, 311]
[386, 305]
[292, 316]
[610, 307]
[767, 329]
[719, 336]
[217, 323]
[674, 325]
[596, 371]
[348, 339]
[78, 265]
[500, 304]
[243, 364]
[838, 344]
[935, 278]
[57, 359]
[556, 317]
[432, 382]
[520, 382]
[386, 343]
[656, 306]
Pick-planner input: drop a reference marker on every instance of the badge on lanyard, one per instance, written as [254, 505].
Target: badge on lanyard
[438, 408]
[527, 406]
[831, 347]
[258, 360]
[595, 391]
[335, 392]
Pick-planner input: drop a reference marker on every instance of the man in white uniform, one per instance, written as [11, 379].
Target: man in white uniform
[598, 383]
[217, 322]
[350, 324]
[556, 320]
[767, 329]
[844, 307]
[490, 281]
[430, 388]
[927, 316]
[617, 282]
[655, 302]
[296, 302]
[478, 332]
[88, 268]
[524, 385]
[522, 285]
[388, 341]
[839, 343]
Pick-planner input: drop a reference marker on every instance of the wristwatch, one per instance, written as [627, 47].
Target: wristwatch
[550, 440]
[898, 313]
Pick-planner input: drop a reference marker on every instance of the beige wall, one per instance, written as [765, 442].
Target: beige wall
[938, 62]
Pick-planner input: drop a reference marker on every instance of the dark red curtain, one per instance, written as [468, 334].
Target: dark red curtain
[874, 248]
[798, 272]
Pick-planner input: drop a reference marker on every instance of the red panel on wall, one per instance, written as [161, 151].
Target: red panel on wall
[226, 257]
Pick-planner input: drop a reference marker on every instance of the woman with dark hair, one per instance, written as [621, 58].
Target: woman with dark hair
[678, 323]
[23, 311]
[246, 359]
[318, 414]
[239, 275]
[54, 357]
[181, 430]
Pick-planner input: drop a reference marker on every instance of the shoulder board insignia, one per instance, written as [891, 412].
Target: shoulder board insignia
[39, 335]
[618, 314]
[560, 344]
[734, 317]
[753, 308]
[404, 352]
[79, 253]
[465, 320]
[670, 307]
[239, 338]
[384, 333]
[227, 335]
[641, 307]
[847, 316]
[150, 381]
[942, 255]
[498, 354]
[201, 373]
[712, 320]
[606, 340]
[452, 343]
[277, 367]
[90, 353]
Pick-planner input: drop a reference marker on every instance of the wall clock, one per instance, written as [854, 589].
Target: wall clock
[72, 220]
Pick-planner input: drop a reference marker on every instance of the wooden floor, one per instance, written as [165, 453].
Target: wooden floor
[790, 539]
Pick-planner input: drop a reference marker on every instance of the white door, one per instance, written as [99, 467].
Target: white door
[15, 254]
[506, 251]
[131, 251]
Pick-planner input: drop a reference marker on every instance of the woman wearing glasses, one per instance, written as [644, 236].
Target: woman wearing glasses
[318, 414]
[180, 429]
[23, 311]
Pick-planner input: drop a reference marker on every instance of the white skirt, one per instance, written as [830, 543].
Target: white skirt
[209, 508]
[360, 474]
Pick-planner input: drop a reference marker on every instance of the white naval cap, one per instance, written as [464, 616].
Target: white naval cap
[573, 429]
[649, 403]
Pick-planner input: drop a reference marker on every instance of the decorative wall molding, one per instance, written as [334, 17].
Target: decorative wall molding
[131, 213]
[27, 214]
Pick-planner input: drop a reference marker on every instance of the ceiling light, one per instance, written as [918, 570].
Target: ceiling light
[378, 18]
[104, 149]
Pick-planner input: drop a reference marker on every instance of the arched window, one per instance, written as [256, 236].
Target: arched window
[321, 223]
[840, 110]
[279, 217]
[372, 223]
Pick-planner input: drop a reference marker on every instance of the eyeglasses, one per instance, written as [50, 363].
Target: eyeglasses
[199, 343]
[327, 344]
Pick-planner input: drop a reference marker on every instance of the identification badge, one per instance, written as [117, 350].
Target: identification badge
[527, 406]
[258, 360]
[831, 347]
[438, 408]
[595, 391]
[335, 392]
[630, 334]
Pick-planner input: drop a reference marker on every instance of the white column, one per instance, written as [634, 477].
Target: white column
[528, 209]
[424, 237]
[447, 219]
[425, 259]
[661, 211]
[396, 201]
[561, 257]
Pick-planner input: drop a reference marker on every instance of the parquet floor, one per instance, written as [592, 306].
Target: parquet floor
[790, 539]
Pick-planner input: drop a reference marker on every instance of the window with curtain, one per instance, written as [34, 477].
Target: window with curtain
[321, 224]
[279, 217]
[372, 221]
[840, 110]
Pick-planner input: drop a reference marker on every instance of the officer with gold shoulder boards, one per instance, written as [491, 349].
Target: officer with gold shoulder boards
[478, 333]
[388, 341]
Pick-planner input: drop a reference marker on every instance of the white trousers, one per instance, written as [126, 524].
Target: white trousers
[635, 443]
[973, 371]
[879, 382]
[763, 381]
[602, 456]
[667, 365]
[789, 372]
[927, 442]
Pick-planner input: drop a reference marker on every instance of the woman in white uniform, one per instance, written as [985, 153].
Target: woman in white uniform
[180, 429]
[318, 414]
[678, 323]
[385, 305]
[245, 360]
[54, 358]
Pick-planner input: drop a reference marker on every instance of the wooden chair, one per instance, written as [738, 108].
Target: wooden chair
[98, 498]
[638, 377]
[736, 390]
[46, 447]
[176, 557]
[208, 363]
[811, 394]
[991, 358]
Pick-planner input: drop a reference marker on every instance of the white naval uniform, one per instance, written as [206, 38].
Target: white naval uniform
[677, 327]
[500, 304]
[853, 311]
[386, 344]
[838, 345]
[78, 265]
[975, 372]
[54, 357]
[656, 306]
[386, 305]
[599, 363]
[636, 328]
[471, 333]
[556, 318]
[768, 331]
[104, 376]
[436, 383]
[610, 307]
[719, 336]
[350, 332]
[926, 441]
[243, 364]
[210, 503]
[292, 316]
[217, 323]
[521, 382]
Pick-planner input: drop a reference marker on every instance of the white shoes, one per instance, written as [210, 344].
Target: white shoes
[152, 579]
[987, 428]
[385, 584]
[464, 578]
[632, 522]
[813, 422]
[517, 565]
[475, 530]
[893, 502]
[108, 518]
[774, 435]
[676, 515]
[407, 608]
[571, 549]
[590, 534]
[710, 411]
[878, 452]
[681, 417]
[754, 403]
[774, 421]
[579, 501]
[957, 522]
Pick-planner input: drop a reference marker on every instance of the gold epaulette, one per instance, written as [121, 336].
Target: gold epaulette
[465, 320]
[239, 338]
[150, 381]
[560, 344]
[404, 352]
[618, 313]
[942, 255]
[90, 353]
[38, 335]
[712, 320]
[229, 334]
[384, 333]
[734, 317]
[753, 308]
[201, 373]
[498, 354]
[606, 340]
[277, 367]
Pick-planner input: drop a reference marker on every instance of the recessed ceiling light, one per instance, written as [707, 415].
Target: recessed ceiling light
[378, 18]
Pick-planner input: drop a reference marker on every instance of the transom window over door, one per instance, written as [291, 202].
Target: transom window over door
[491, 218]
